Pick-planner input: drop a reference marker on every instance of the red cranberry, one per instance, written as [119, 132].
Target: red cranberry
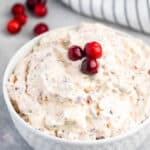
[13, 26]
[89, 66]
[21, 18]
[40, 10]
[42, 1]
[31, 3]
[75, 53]
[93, 50]
[18, 9]
[40, 28]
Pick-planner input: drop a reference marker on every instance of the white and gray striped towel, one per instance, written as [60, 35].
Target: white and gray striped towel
[134, 14]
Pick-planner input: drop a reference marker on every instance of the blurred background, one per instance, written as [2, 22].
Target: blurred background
[59, 15]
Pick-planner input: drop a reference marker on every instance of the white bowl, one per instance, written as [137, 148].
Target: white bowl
[41, 141]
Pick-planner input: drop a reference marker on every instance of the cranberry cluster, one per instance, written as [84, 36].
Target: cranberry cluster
[37, 7]
[91, 51]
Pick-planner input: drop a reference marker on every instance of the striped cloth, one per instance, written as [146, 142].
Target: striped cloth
[134, 14]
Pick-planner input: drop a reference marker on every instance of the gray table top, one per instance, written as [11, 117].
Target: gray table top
[59, 15]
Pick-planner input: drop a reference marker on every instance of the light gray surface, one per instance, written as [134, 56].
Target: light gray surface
[58, 16]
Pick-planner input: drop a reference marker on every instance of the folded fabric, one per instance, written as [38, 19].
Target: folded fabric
[134, 14]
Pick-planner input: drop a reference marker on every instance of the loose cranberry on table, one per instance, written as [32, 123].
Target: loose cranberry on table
[89, 66]
[40, 10]
[21, 18]
[31, 3]
[93, 50]
[18, 9]
[75, 53]
[40, 28]
[13, 26]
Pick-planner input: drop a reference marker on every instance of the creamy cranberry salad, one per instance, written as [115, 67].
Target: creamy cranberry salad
[52, 94]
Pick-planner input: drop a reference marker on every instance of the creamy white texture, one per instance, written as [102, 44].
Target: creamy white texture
[51, 93]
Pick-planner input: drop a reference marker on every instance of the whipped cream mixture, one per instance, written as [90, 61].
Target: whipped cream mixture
[51, 93]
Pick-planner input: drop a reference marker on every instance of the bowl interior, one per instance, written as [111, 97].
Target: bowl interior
[11, 65]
